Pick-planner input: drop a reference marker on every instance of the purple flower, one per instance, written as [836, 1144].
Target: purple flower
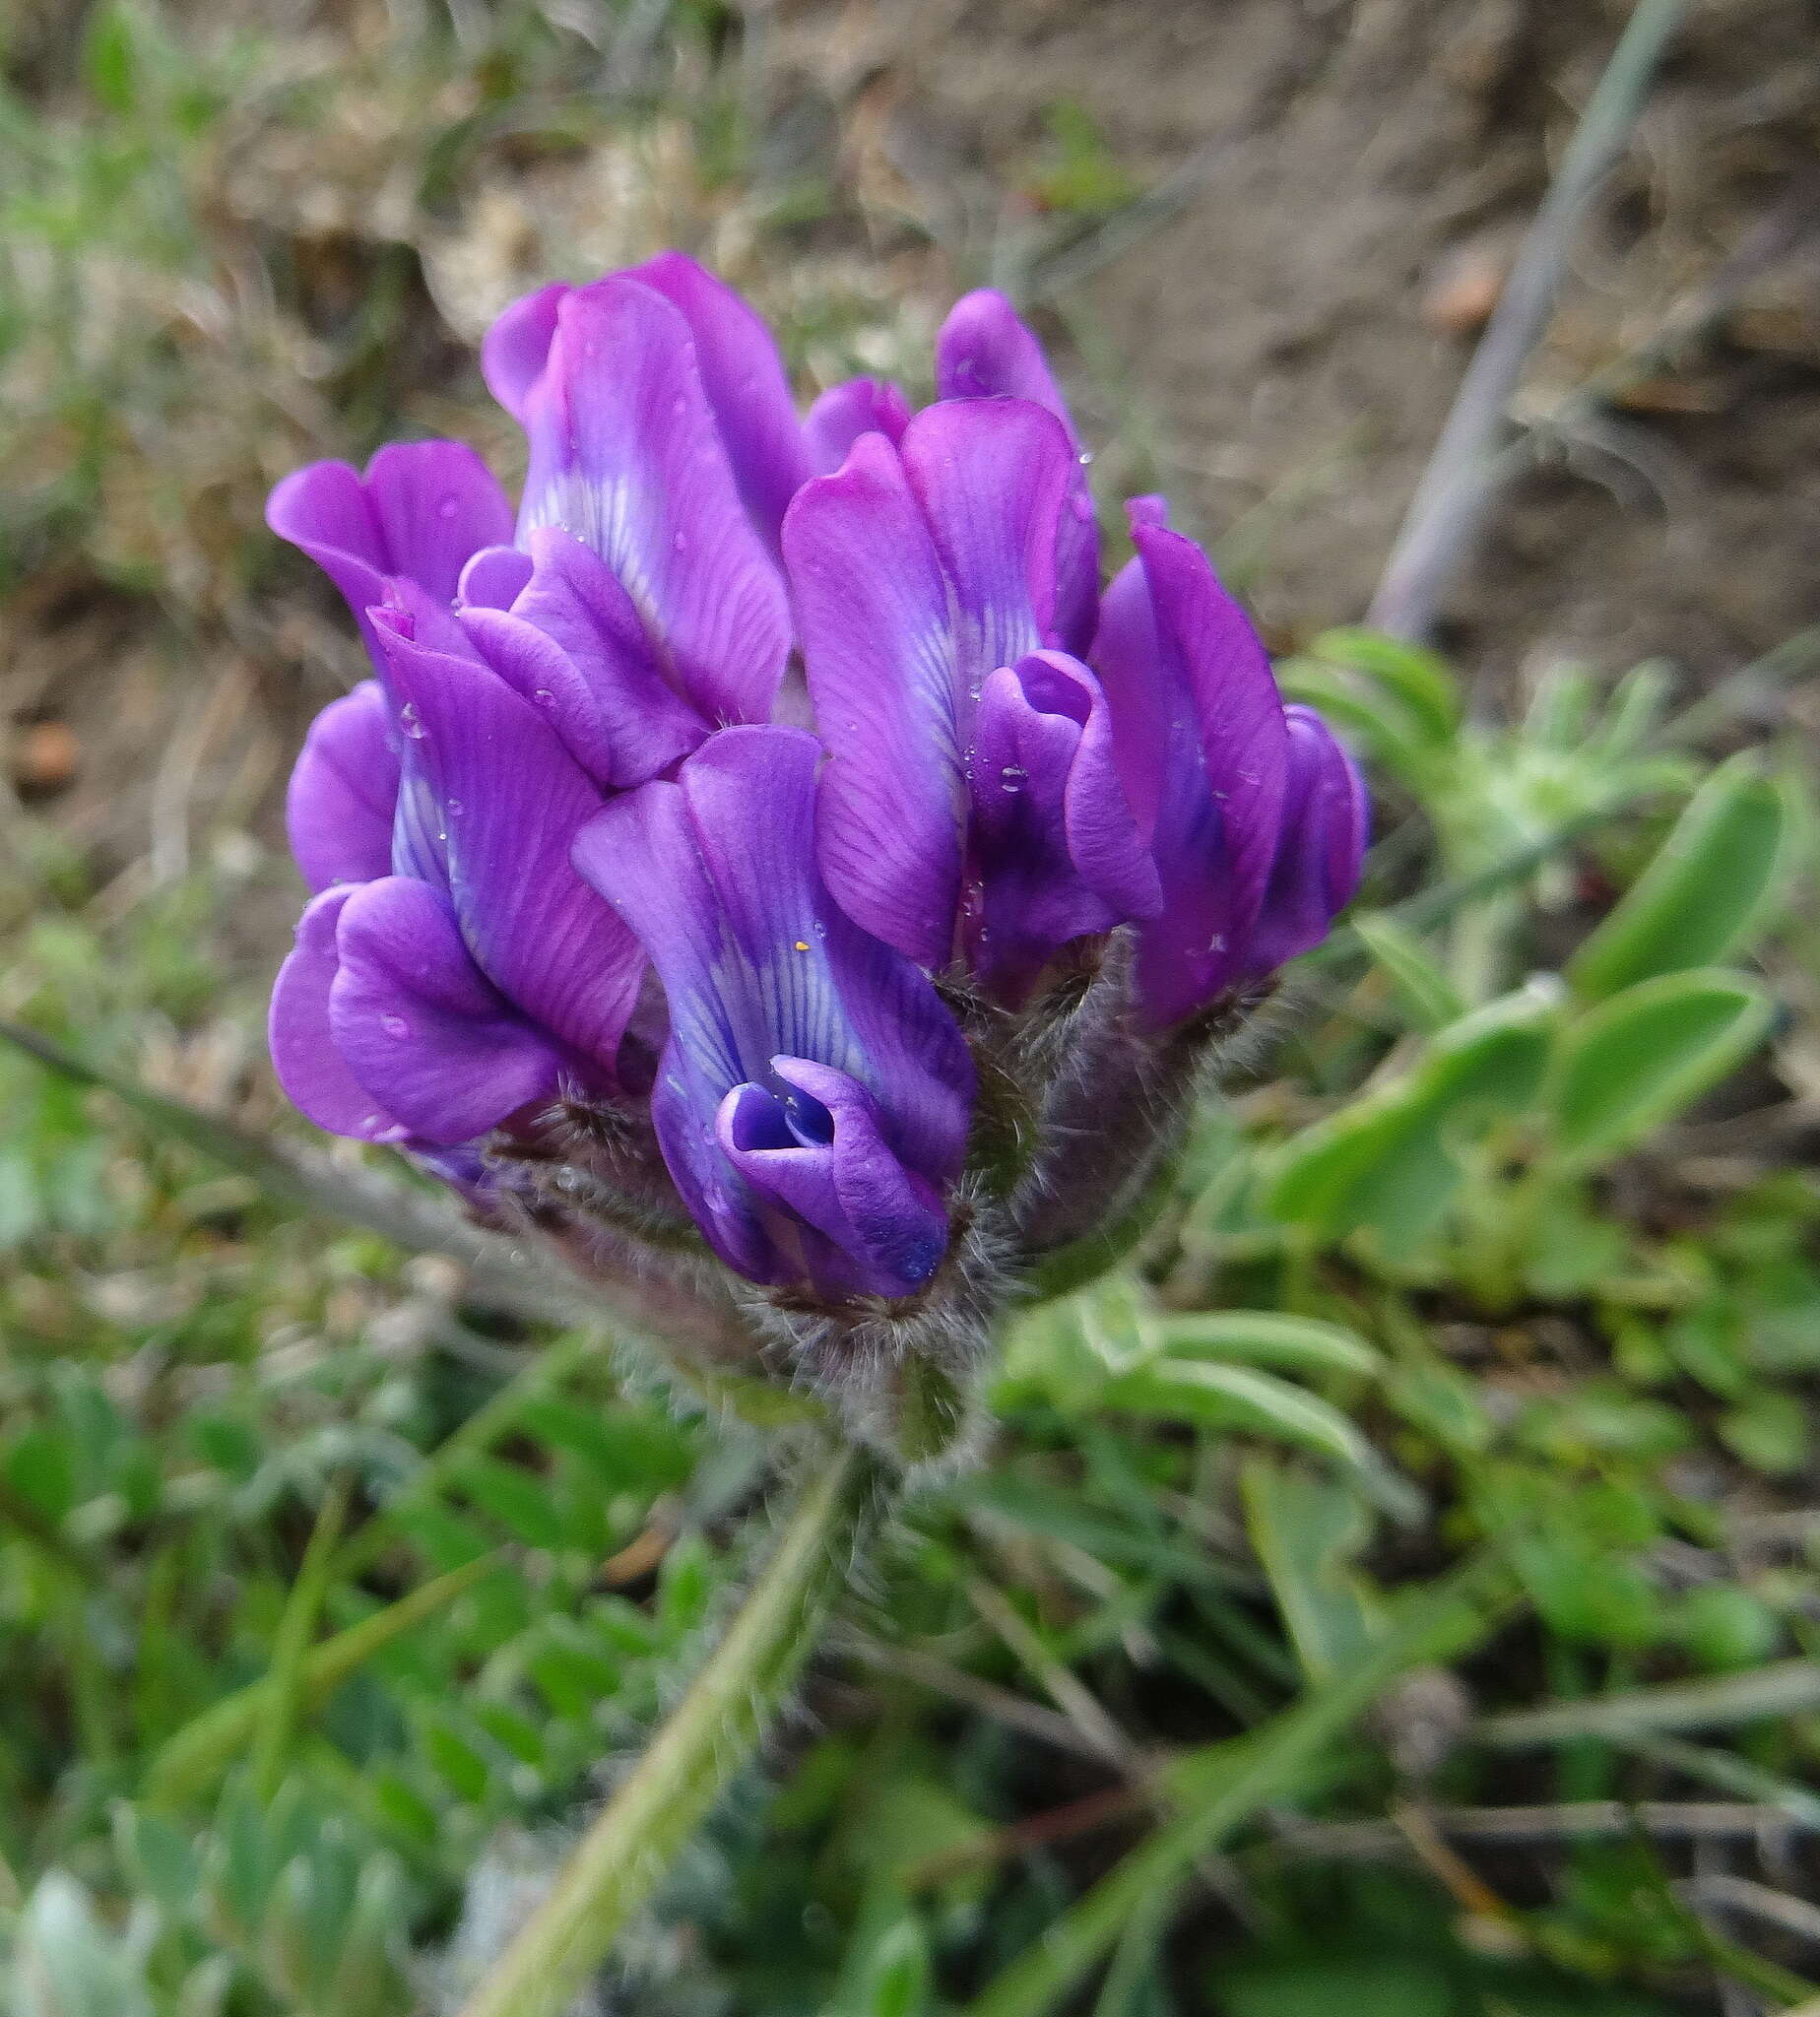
[812, 1098]
[973, 804]
[453, 968]
[564, 828]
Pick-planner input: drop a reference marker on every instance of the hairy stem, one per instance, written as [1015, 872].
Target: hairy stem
[692, 1757]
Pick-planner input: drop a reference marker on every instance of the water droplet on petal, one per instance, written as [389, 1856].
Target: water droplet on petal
[543, 697]
[447, 508]
[455, 809]
[1011, 777]
[395, 1026]
[681, 543]
[410, 721]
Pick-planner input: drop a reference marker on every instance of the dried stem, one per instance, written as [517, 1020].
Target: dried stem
[1448, 511]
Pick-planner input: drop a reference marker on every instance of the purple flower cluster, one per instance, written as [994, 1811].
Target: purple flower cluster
[719, 824]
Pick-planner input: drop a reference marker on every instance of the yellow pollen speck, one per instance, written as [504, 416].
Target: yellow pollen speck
[801, 944]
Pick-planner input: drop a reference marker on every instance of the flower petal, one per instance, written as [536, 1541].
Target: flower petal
[511, 801]
[716, 874]
[1316, 869]
[420, 512]
[984, 348]
[745, 384]
[515, 350]
[845, 411]
[625, 455]
[1203, 751]
[1054, 851]
[304, 1055]
[992, 476]
[603, 689]
[494, 578]
[343, 792]
[885, 1227]
[411, 1013]
[872, 612]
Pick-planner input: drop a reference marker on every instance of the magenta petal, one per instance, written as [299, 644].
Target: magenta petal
[985, 349]
[1055, 849]
[625, 455]
[304, 1055]
[437, 504]
[515, 350]
[745, 383]
[411, 1013]
[494, 579]
[845, 411]
[873, 610]
[1318, 853]
[608, 699]
[1202, 750]
[421, 511]
[991, 476]
[511, 799]
[343, 792]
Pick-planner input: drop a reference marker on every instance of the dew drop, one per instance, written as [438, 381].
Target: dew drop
[1085, 458]
[681, 543]
[447, 508]
[680, 407]
[395, 1026]
[410, 721]
[455, 809]
[543, 697]
[1011, 777]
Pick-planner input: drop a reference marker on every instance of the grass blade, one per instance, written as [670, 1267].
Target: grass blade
[1219, 1790]
[204, 1747]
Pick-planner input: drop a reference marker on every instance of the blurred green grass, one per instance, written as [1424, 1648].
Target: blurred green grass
[225, 245]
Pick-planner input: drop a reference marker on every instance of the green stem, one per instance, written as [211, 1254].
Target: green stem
[690, 1760]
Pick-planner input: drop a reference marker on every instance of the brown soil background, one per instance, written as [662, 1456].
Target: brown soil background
[1265, 336]
[1273, 334]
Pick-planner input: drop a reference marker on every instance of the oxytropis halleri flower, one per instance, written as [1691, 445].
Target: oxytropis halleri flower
[773, 827]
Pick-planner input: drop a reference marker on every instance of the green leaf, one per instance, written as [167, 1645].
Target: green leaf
[519, 1502]
[895, 1975]
[1428, 998]
[1219, 1396]
[1420, 679]
[1362, 1985]
[1264, 1337]
[110, 61]
[68, 1963]
[1715, 882]
[1390, 1161]
[1307, 1529]
[205, 1746]
[1635, 1061]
